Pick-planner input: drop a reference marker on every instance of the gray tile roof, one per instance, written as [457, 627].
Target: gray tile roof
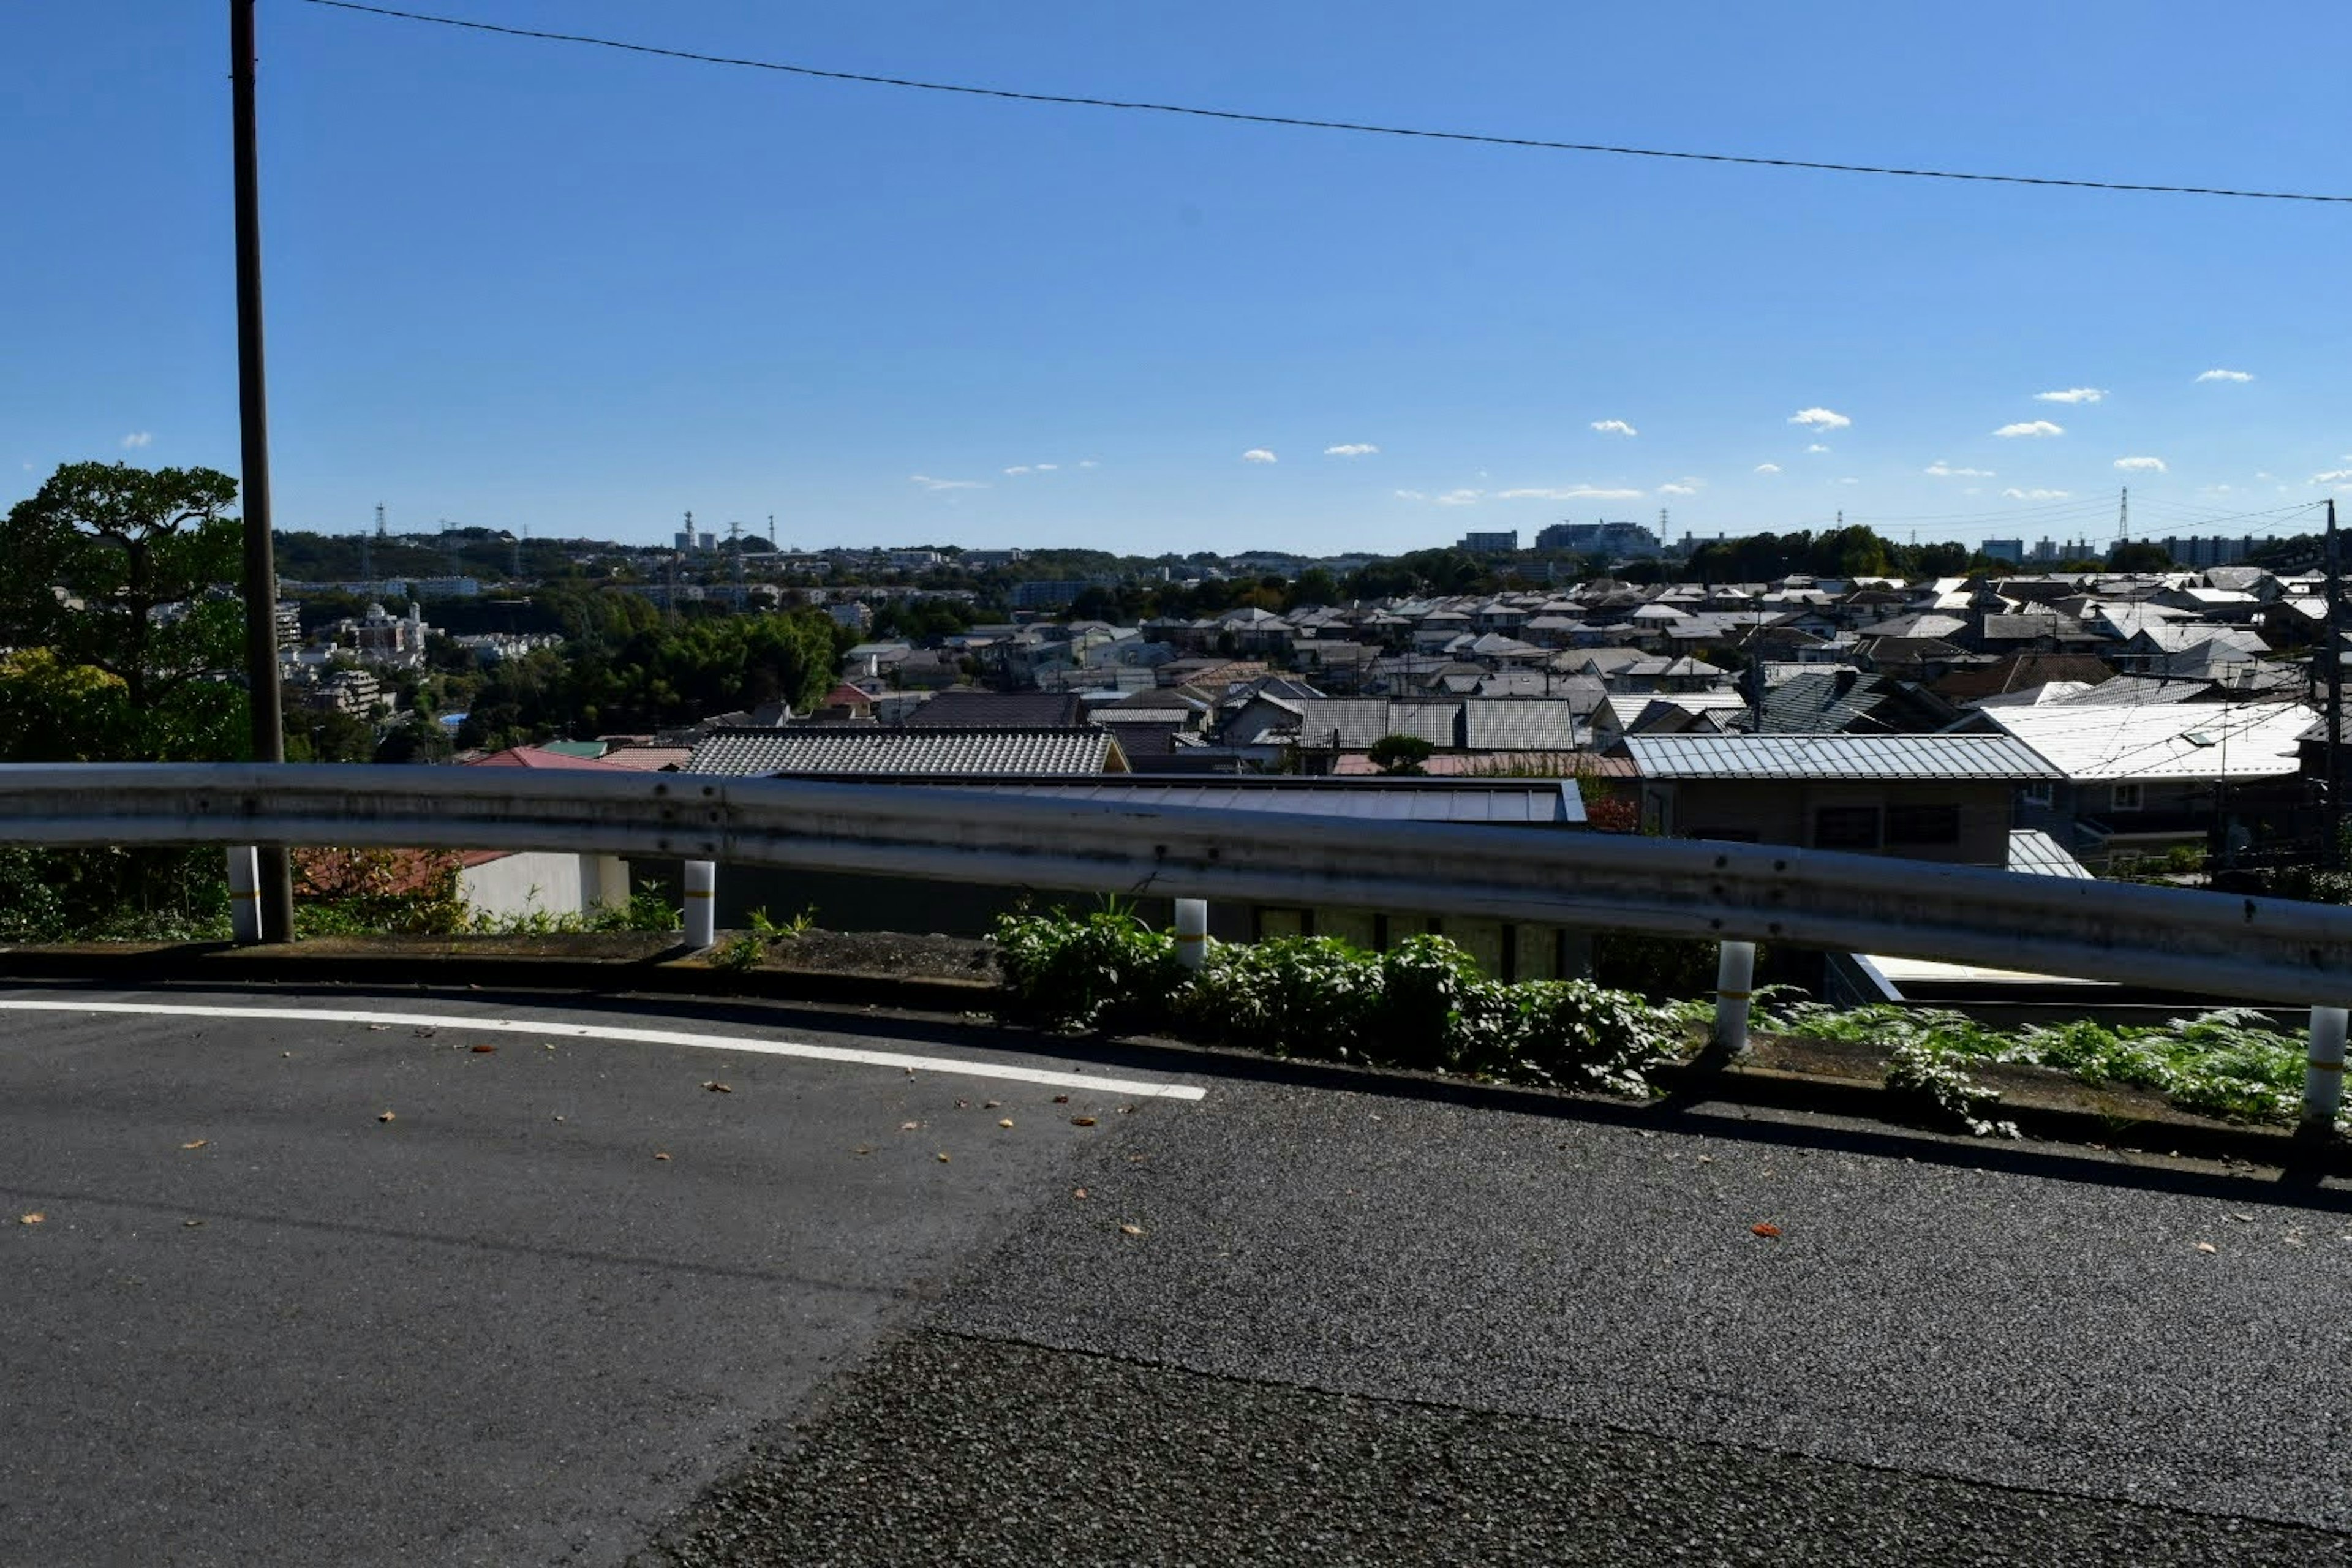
[1353, 723]
[872, 749]
[1836, 757]
[1517, 724]
[977, 710]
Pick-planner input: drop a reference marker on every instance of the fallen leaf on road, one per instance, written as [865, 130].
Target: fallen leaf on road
[484, 1050]
[198, 1143]
[1082, 1121]
[862, 1149]
[31, 1219]
[378, 1028]
[192, 1223]
[1061, 1099]
[1707, 1159]
[990, 1104]
[2207, 1246]
[910, 1126]
[1078, 1191]
[1765, 1230]
[2244, 1218]
[559, 1118]
[660, 1155]
[1130, 1230]
[943, 1156]
[715, 1086]
[1006, 1123]
[385, 1116]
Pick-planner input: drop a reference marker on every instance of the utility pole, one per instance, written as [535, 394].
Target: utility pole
[264, 699]
[2332, 852]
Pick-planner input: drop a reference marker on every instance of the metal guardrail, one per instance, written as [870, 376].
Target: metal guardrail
[2268, 949]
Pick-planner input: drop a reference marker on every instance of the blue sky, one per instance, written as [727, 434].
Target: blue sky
[522, 284]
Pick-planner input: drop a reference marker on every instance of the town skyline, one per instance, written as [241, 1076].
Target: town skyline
[511, 284]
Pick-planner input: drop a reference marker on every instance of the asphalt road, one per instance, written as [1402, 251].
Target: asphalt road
[1290, 1322]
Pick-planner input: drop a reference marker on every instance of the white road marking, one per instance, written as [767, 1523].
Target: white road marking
[958, 1064]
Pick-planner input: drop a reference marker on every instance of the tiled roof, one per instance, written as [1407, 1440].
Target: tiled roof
[1835, 757]
[906, 752]
[1353, 723]
[965, 709]
[1517, 724]
[538, 757]
[649, 759]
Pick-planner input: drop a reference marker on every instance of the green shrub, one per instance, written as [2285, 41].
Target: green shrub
[1106, 968]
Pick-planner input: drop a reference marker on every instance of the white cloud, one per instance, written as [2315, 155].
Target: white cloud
[2035, 428]
[929, 483]
[2073, 394]
[2014, 493]
[1412, 495]
[2141, 465]
[136, 439]
[1686, 486]
[1570, 493]
[2226, 375]
[1767, 468]
[1351, 449]
[1614, 428]
[1817, 446]
[1088, 463]
[1940, 469]
[1258, 455]
[1460, 497]
[2332, 477]
[1848, 481]
[1047, 467]
[1020, 469]
[1819, 419]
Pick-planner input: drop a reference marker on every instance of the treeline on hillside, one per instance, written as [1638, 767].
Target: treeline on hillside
[655, 678]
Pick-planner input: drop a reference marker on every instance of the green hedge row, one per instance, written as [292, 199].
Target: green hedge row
[1423, 1006]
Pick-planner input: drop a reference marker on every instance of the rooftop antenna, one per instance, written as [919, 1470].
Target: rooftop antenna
[379, 521]
[2123, 524]
[735, 544]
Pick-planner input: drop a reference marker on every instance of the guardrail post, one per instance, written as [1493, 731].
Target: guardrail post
[1734, 978]
[701, 903]
[2323, 1073]
[244, 895]
[1192, 931]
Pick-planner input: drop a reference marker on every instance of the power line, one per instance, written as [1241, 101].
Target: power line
[1304, 123]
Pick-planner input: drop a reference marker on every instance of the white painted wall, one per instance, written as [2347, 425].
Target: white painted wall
[542, 879]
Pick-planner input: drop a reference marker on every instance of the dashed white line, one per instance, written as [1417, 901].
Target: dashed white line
[961, 1065]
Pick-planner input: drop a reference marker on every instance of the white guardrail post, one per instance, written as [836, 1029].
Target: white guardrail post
[2323, 1073]
[1192, 931]
[244, 895]
[701, 903]
[1735, 979]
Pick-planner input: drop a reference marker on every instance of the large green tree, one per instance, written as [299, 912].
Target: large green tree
[118, 592]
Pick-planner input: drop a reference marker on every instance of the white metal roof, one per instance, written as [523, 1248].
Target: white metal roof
[2174, 740]
[1835, 757]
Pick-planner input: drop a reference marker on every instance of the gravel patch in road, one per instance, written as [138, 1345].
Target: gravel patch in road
[945, 1448]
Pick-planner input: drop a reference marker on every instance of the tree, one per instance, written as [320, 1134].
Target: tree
[1400, 755]
[130, 573]
[2138, 555]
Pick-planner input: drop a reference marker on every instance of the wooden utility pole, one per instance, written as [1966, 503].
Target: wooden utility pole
[263, 697]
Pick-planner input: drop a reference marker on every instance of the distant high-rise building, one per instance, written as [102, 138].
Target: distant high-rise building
[2199, 552]
[2009, 549]
[1610, 540]
[1491, 543]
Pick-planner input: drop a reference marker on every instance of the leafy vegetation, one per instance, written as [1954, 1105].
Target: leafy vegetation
[2230, 1063]
[1421, 1005]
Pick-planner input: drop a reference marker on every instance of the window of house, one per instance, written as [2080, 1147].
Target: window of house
[1923, 825]
[2124, 797]
[2038, 793]
[1845, 827]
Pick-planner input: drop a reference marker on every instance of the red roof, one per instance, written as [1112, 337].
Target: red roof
[538, 757]
[846, 696]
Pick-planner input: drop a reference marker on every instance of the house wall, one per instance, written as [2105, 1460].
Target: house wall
[1784, 811]
[545, 881]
